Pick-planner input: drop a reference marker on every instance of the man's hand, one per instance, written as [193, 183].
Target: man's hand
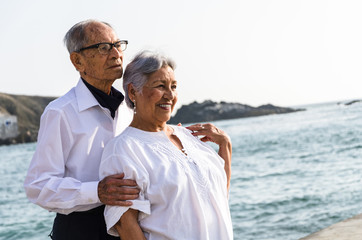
[114, 190]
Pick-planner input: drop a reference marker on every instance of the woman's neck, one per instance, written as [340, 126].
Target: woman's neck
[148, 126]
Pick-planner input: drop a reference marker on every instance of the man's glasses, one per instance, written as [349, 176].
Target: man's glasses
[104, 48]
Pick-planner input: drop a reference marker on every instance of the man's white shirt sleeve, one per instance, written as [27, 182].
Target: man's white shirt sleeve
[63, 175]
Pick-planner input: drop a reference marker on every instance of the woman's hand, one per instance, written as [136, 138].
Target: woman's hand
[218, 136]
[210, 133]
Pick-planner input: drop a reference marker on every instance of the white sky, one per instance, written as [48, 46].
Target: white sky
[284, 52]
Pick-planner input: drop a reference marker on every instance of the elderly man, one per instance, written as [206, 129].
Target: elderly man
[64, 173]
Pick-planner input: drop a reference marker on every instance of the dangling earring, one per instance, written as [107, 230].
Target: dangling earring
[134, 107]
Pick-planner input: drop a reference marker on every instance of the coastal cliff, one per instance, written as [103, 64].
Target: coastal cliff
[28, 110]
[212, 111]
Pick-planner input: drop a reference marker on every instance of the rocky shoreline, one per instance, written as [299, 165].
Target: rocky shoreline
[28, 110]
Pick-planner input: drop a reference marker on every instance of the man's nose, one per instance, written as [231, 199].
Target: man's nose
[114, 52]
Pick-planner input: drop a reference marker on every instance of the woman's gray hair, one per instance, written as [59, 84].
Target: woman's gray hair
[139, 69]
[76, 37]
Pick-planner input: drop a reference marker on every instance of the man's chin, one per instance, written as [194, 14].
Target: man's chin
[118, 75]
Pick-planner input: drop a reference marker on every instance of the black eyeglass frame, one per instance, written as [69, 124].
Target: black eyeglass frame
[110, 44]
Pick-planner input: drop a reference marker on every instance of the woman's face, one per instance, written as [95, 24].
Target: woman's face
[159, 96]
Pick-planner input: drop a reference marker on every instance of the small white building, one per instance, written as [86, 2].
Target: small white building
[8, 126]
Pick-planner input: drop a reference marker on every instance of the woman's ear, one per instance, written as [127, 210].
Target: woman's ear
[131, 92]
[77, 61]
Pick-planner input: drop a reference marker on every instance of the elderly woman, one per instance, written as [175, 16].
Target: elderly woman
[183, 181]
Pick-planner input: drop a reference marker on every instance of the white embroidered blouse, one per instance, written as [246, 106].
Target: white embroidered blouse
[183, 195]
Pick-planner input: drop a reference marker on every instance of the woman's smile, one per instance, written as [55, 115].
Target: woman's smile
[165, 106]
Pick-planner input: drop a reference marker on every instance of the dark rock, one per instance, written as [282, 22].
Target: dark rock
[352, 102]
[213, 111]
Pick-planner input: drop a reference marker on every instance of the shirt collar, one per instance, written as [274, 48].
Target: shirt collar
[111, 102]
[85, 98]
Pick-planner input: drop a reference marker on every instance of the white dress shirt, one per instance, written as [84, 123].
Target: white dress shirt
[63, 175]
[182, 196]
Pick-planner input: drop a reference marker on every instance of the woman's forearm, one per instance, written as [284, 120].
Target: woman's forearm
[225, 152]
[128, 226]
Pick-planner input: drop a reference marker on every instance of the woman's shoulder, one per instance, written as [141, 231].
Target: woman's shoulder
[129, 136]
[186, 134]
[134, 138]
[181, 129]
[123, 149]
[123, 140]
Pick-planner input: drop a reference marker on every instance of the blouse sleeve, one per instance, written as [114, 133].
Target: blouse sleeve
[121, 157]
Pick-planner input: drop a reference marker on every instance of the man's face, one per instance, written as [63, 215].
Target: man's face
[101, 69]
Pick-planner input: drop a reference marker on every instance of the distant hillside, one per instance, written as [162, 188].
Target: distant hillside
[28, 110]
[212, 111]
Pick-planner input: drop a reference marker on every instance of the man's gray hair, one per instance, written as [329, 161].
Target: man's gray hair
[76, 37]
[139, 69]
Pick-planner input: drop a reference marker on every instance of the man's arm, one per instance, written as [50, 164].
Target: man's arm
[46, 184]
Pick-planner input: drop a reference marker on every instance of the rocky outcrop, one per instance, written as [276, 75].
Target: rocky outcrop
[212, 111]
[28, 110]
[352, 102]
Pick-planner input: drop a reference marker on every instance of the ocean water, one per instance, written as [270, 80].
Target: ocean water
[293, 174]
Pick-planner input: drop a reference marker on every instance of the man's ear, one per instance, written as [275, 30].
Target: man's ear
[78, 61]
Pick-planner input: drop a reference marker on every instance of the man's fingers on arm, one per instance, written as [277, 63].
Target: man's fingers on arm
[117, 181]
[126, 190]
[125, 197]
[123, 203]
[127, 182]
[119, 203]
[122, 197]
[118, 176]
[121, 190]
[115, 198]
[122, 200]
